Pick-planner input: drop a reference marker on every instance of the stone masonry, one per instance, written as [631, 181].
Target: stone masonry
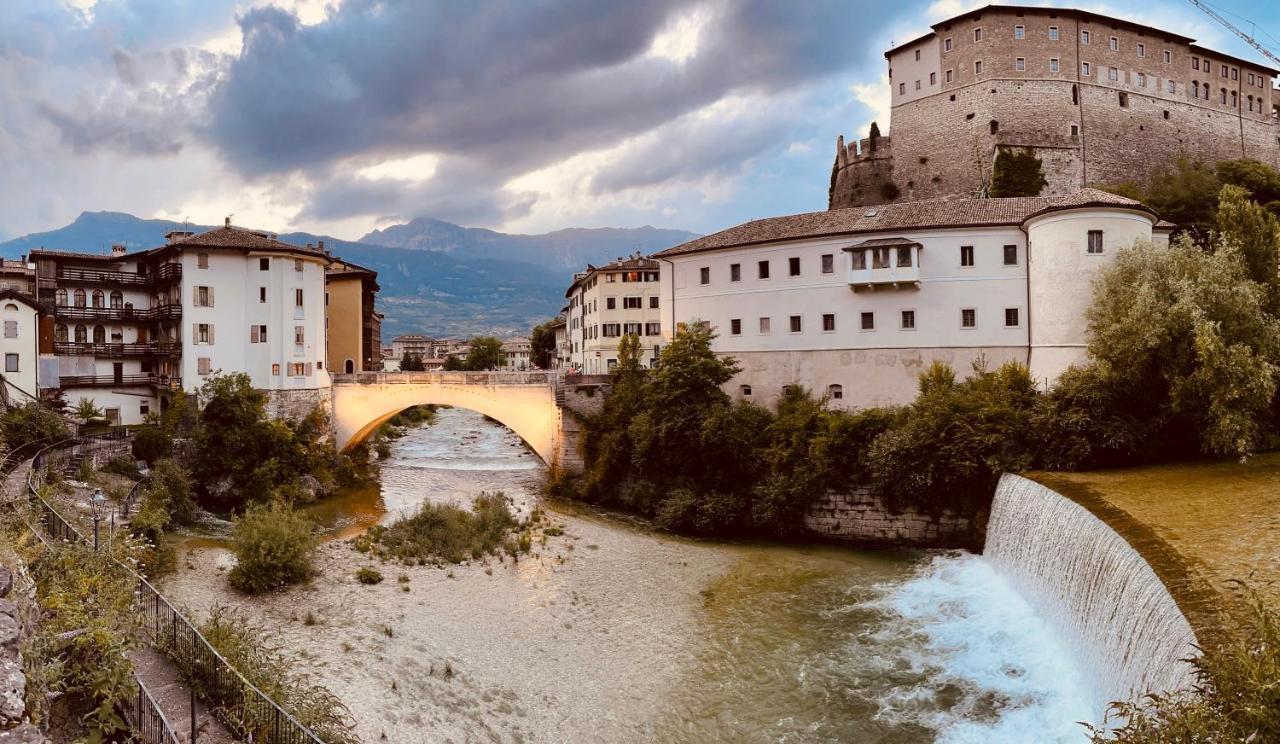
[860, 518]
[1146, 98]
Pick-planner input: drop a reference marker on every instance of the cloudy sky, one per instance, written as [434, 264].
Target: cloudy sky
[522, 115]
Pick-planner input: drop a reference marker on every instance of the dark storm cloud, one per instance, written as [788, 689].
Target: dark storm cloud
[509, 87]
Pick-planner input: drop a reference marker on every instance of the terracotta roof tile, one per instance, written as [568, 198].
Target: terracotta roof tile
[903, 216]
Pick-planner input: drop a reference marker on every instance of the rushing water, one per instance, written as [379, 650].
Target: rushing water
[794, 643]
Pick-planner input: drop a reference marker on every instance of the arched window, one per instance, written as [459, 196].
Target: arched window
[836, 392]
[99, 334]
[117, 300]
[1195, 89]
[97, 298]
[60, 333]
[82, 334]
[79, 297]
[1235, 100]
[1222, 95]
[1250, 103]
[349, 367]
[11, 308]
[745, 391]
[60, 297]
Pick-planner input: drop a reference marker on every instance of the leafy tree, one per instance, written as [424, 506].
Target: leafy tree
[628, 356]
[1017, 174]
[453, 364]
[485, 353]
[150, 443]
[412, 362]
[542, 345]
[1184, 333]
[1185, 193]
[30, 422]
[86, 410]
[874, 134]
[1259, 179]
[1255, 232]
[272, 544]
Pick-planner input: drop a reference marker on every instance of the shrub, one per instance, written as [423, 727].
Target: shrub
[367, 575]
[122, 465]
[445, 532]
[890, 191]
[30, 422]
[151, 443]
[272, 543]
[1017, 174]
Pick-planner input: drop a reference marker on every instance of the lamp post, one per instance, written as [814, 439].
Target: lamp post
[97, 504]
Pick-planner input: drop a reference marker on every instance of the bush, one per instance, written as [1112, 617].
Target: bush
[122, 465]
[444, 532]
[151, 443]
[273, 545]
[31, 422]
[367, 575]
[1017, 174]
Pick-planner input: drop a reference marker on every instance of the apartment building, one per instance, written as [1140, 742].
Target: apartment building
[354, 327]
[855, 303]
[129, 329]
[607, 302]
[517, 353]
[20, 347]
[411, 343]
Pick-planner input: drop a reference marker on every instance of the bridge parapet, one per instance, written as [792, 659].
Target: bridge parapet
[447, 378]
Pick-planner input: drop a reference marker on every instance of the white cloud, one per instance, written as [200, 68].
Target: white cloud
[878, 98]
[679, 41]
[415, 168]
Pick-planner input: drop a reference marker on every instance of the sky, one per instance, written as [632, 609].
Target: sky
[341, 116]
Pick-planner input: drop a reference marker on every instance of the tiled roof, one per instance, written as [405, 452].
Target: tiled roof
[38, 252]
[635, 263]
[237, 237]
[884, 243]
[900, 217]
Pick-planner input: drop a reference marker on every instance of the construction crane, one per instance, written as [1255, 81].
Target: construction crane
[1232, 28]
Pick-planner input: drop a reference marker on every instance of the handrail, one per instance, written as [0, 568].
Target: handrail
[278, 726]
[82, 312]
[117, 349]
[448, 378]
[152, 725]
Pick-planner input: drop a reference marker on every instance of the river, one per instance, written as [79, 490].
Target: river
[618, 633]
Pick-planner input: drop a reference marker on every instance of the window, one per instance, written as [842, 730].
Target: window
[828, 322]
[611, 303]
[1011, 317]
[764, 326]
[257, 334]
[950, 76]
[1020, 64]
[1224, 71]
[1207, 67]
[908, 320]
[204, 297]
[297, 297]
[60, 297]
[1075, 130]
[1019, 32]
[917, 85]
[1124, 100]
[1011, 255]
[297, 264]
[796, 325]
[1053, 33]
[744, 390]
[202, 260]
[11, 329]
[82, 334]
[977, 34]
[1095, 241]
[99, 335]
[904, 256]
[880, 258]
[1084, 69]
[611, 330]
[144, 408]
[1195, 89]
[1114, 44]
[1235, 73]
[968, 318]
[97, 298]
[735, 272]
[1222, 96]
[1142, 50]
[828, 263]
[632, 303]
[1195, 63]
[762, 269]
[1113, 74]
[704, 275]
[264, 264]
[917, 55]
[867, 321]
[204, 333]
[631, 329]
[653, 329]
[966, 255]
[262, 294]
[735, 327]
[977, 67]
[275, 370]
[117, 300]
[1251, 78]
[1054, 65]
[902, 89]
[793, 266]
[299, 335]
[946, 46]
[835, 391]
[1084, 37]
[10, 362]
[60, 333]
[653, 301]
[1168, 56]
[1173, 88]
[933, 78]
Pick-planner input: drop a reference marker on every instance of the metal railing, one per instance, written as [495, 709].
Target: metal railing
[148, 721]
[447, 378]
[167, 382]
[245, 709]
[170, 311]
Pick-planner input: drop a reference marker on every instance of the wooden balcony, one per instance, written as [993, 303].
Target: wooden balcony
[162, 382]
[126, 314]
[117, 350]
[166, 273]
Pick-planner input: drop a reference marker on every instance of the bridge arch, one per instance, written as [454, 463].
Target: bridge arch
[523, 402]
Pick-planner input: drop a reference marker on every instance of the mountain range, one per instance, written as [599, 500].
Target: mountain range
[436, 278]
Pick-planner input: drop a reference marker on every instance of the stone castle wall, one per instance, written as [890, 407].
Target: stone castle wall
[860, 518]
[296, 404]
[944, 144]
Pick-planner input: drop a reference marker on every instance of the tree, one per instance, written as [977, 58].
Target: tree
[628, 356]
[412, 362]
[1259, 179]
[542, 345]
[1184, 333]
[1017, 174]
[453, 364]
[272, 543]
[1254, 232]
[873, 135]
[86, 410]
[485, 353]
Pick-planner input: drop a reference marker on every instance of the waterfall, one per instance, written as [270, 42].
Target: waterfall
[1115, 615]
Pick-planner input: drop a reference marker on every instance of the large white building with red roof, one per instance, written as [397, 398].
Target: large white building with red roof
[854, 303]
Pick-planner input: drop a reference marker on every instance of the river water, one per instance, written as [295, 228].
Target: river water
[794, 643]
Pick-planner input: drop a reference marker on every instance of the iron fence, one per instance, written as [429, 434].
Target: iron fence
[148, 721]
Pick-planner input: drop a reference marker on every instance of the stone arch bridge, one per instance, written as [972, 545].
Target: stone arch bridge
[532, 404]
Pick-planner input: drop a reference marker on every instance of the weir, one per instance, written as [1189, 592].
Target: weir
[1117, 617]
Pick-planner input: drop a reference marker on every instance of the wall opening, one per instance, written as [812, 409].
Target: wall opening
[995, 126]
[1075, 95]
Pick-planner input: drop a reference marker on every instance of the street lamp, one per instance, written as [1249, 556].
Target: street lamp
[97, 504]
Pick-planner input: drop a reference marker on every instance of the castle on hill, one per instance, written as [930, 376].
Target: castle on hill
[1096, 99]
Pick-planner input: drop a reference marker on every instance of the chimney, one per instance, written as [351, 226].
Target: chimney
[310, 247]
[118, 249]
[320, 246]
[226, 222]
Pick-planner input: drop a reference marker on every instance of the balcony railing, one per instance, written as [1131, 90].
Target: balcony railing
[163, 312]
[164, 382]
[166, 273]
[114, 350]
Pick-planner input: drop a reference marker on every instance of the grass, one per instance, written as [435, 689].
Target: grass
[444, 533]
[1221, 518]
[367, 575]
